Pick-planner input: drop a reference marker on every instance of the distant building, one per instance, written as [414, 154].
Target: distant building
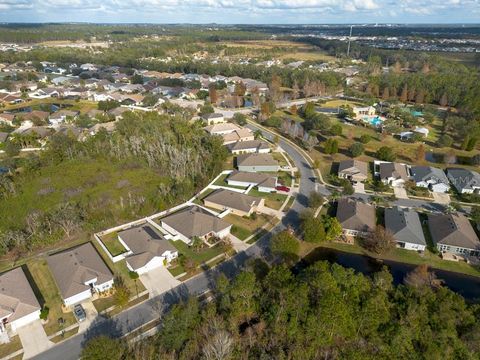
[213, 119]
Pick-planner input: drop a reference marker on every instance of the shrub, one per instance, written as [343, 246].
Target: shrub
[44, 312]
[365, 138]
[356, 149]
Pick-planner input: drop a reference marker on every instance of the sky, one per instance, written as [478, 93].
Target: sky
[242, 11]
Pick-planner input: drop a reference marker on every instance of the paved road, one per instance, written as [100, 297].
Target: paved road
[153, 308]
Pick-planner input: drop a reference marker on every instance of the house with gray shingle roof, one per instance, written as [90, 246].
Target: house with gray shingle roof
[464, 180]
[147, 249]
[406, 228]
[248, 147]
[257, 162]
[18, 303]
[431, 178]
[79, 272]
[238, 203]
[194, 221]
[356, 217]
[453, 233]
[264, 182]
[393, 174]
[353, 170]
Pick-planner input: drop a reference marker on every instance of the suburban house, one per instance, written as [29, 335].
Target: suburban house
[465, 181]
[213, 119]
[353, 170]
[394, 174]
[18, 303]
[257, 162]
[249, 147]
[406, 228]
[62, 116]
[231, 133]
[238, 203]
[356, 217]
[193, 222]
[431, 178]
[7, 118]
[147, 248]
[264, 182]
[79, 272]
[35, 115]
[360, 112]
[453, 233]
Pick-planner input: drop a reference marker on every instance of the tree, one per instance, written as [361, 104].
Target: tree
[420, 153]
[333, 228]
[421, 277]
[356, 149]
[313, 229]
[107, 105]
[445, 141]
[379, 241]
[103, 348]
[275, 88]
[385, 153]
[122, 293]
[365, 138]
[336, 130]
[315, 199]
[212, 93]
[240, 119]
[12, 148]
[137, 79]
[286, 246]
[331, 146]
[206, 109]
[472, 142]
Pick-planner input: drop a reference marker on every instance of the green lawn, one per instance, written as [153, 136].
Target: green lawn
[14, 345]
[272, 200]
[112, 244]
[203, 255]
[257, 236]
[43, 279]
[279, 157]
[66, 335]
[244, 227]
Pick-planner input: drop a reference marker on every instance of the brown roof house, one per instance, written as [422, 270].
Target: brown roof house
[357, 218]
[79, 272]
[353, 170]
[147, 249]
[238, 203]
[18, 303]
[192, 222]
[453, 233]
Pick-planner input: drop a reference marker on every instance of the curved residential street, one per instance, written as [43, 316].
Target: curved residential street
[152, 309]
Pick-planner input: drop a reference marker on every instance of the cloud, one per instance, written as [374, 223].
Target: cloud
[236, 11]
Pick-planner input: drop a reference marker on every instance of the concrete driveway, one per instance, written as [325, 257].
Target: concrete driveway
[400, 193]
[91, 313]
[34, 339]
[359, 188]
[441, 198]
[158, 280]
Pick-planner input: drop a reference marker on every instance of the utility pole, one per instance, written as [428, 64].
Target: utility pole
[349, 39]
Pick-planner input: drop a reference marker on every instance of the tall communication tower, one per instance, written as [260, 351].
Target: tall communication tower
[349, 40]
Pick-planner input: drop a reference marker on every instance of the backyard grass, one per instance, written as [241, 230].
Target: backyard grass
[112, 244]
[14, 345]
[66, 335]
[272, 200]
[257, 236]
[43, 279]
[279, 157]
[120, 269]
[244, 227]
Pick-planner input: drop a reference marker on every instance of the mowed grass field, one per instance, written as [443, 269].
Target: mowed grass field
[283, 49]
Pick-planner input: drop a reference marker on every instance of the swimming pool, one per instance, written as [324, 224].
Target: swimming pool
[373, 120]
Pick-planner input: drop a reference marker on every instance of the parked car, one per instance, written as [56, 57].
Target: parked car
[79, 313]
[282, 188]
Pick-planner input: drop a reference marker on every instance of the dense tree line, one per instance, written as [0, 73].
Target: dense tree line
[323, 312]
[175, 157]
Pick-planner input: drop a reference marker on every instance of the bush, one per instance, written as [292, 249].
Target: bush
[445, 141]
[331, 146]
[44, 312]
[356, 149]
[336, 129]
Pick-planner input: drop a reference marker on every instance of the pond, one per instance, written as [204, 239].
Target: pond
[465, 285]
